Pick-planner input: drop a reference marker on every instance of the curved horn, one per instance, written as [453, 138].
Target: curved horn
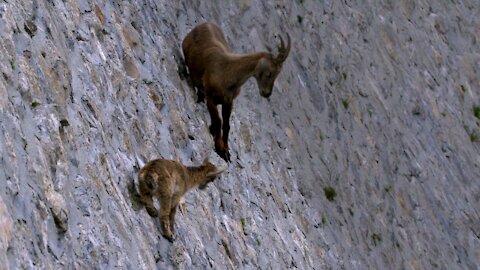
[282, 51]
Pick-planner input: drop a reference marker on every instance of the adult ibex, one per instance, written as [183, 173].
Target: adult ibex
[169, 180]
[218, 73]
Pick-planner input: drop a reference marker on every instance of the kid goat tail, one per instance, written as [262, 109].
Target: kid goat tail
[146, 183]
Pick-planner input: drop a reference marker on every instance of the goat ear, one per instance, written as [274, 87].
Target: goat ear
[216, 173]
[205, 161]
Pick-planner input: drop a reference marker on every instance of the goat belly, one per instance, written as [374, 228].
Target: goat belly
[217, 100]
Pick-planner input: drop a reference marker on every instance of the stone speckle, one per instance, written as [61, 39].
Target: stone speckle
[6, 227]
[375, 100]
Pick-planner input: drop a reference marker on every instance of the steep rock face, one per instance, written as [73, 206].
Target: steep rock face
[375, 100]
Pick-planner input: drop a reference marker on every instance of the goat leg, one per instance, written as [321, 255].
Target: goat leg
[226, 155]
[166, 232]
[215, 118]
[200, 95]
[165, 208]
[226, 112]
[148, 202]
[172, 219]
[152, 211]
[221, 150]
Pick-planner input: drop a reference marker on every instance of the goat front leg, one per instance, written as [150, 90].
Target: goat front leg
[215, 118]
[226, 111]
[215, 127]
[181, 204]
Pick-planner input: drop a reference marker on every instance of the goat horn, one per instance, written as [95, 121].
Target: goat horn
[282, 44]
[282, 51]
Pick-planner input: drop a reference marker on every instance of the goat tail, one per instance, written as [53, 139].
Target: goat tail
[139, 189]
[147, 183]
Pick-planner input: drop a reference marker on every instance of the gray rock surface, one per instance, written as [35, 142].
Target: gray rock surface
[376, 100]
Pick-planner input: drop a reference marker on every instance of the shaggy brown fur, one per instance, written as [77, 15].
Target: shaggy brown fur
[218, 73]
[168, 181]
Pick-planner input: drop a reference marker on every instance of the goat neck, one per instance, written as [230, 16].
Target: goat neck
[196, 175]
[241, 68]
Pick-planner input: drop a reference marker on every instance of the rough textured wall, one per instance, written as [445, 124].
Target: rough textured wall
[375, 100]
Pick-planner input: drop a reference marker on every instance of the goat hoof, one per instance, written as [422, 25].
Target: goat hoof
[170, 238]
[152, 213]
[225, 155]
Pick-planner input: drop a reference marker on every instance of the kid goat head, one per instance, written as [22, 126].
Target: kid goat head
[218, 73]
[168, 181]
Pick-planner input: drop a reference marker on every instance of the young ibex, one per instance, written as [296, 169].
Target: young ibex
[169, 180]
[218, 73]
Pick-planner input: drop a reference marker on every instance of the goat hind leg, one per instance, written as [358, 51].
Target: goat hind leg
[148, 202]
[165, 207]
[172, 218]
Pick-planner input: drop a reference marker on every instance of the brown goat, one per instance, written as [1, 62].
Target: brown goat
[168, 181]
[218, 73]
